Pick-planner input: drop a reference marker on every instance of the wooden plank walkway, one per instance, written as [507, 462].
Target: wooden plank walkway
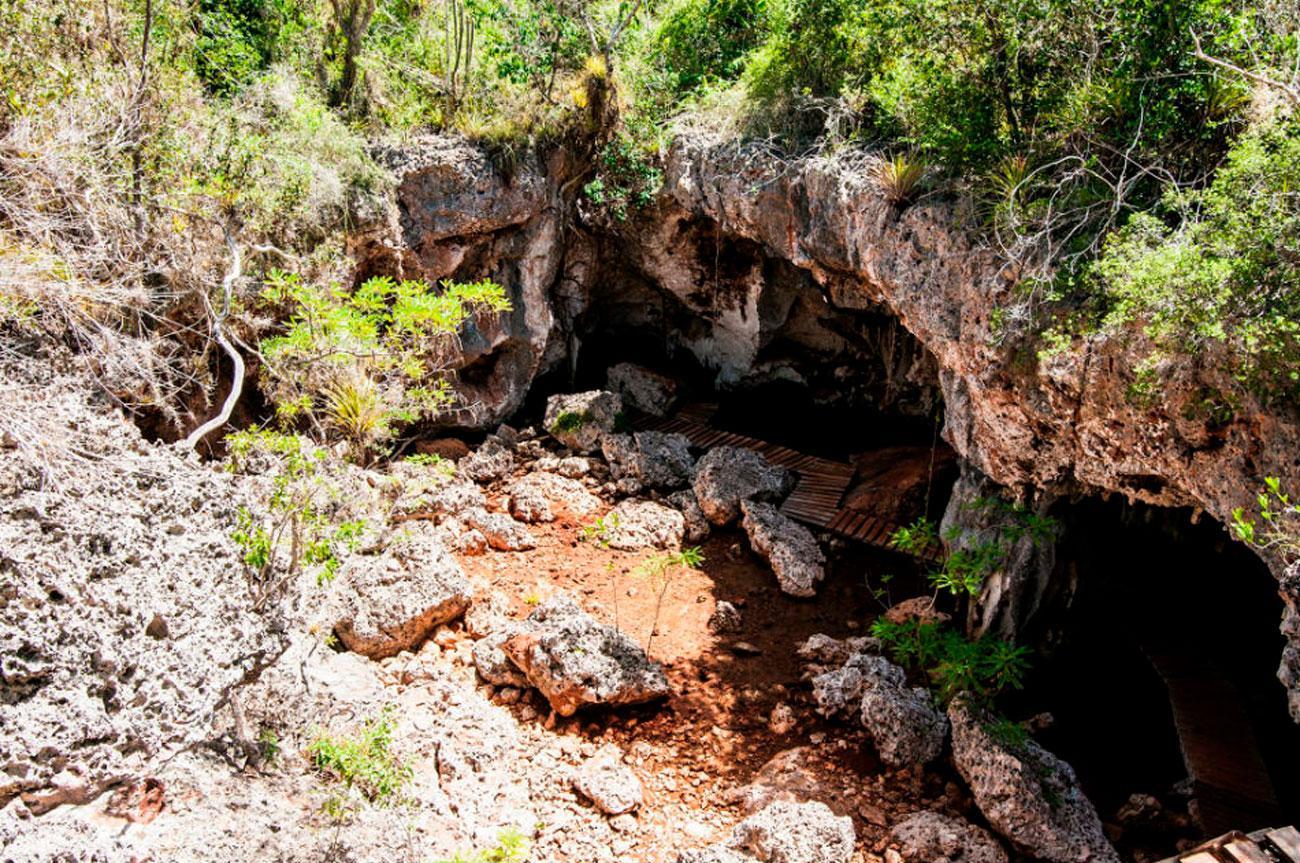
[1268, 845]
[818, 495]
[1232, 786]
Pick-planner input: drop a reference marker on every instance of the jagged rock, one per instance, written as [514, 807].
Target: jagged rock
[1026, 793]
[823, 649]
[533, 498]
[932, 837]
[727, 475]
[656, 459]
[725, 618]
[574, 466]
[789, 547]
[697, 526]
[918, 608]
[433, 495]
[838, 692]
[635, 524]
[489, 613]
[392, 601]
[472, 543]
[609, 783]
[644, 389]
[785, 832]
[576, 661]
[503, 532]
[580, 420]
[491, 662]
[491, 461]
[904, 723]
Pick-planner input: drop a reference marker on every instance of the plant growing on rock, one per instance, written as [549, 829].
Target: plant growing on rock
[298, 529]
[365, 762]
[356, 364]
[983, 667]
[511, 847]
[658, 570]
[1277, 529]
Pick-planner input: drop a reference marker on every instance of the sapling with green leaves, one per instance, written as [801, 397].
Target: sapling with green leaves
[1276, 525]
[658, 569]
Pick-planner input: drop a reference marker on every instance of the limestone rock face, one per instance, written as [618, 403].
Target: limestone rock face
[789, 547]
[491, 461]
[932, 837]
[1027, 794]
[581, 420]
[638, 524]
[654, 459]
[643, 389]
[727, 475]
[576, 661]
[436, 496]
[393, 600]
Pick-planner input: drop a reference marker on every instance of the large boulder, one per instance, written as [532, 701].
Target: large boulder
[904, 723]
[436, 496]
[537, 496]
[648, 391]
[581, 420]
[576, 661]
[932, 837]
[491, 461]
[659, 460]
[392, 601]
[838, 692]
[786, 832]
[1026, 793]
[789, 547]
[635, 524]
[491, 662]
[727, 475]
[697, 526]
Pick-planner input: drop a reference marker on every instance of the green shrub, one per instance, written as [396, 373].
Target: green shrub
[511, 847]
[366, 761]
[983, 667]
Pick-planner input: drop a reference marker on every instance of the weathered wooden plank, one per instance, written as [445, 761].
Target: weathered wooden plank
[1199, 857]
[1286, 840]
[1245, 851]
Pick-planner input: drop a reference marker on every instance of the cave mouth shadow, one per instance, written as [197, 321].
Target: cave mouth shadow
[1153, 591]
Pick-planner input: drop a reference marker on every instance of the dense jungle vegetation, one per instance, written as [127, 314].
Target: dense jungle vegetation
[1138, 160]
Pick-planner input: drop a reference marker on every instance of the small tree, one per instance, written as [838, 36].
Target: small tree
[658, 569]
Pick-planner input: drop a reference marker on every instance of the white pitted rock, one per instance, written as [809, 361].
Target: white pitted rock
[932, 837]
[646, 390]
[727, 475]
[839, 692]
[580, 420]
[824, 650]
[490, 613]
[726, 618]
[906, 726]
[786, 832]
[659, 460]
[491, 461]
[792, 775]
[393, 600]
[1026, 793]
[697, 526]
[574, 466]
[635, 524]
[536, 497]
[492, 663]
[502, 532]
[609, 783]
[436, 496]
[790, 548]
[576, 661]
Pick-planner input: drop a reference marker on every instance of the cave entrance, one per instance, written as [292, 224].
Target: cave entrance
[1163, 668]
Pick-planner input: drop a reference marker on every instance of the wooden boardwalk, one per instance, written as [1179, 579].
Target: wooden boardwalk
[1269, 845]
[1231, 782]
[818, 496]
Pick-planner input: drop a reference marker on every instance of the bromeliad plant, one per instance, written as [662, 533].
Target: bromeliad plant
[356, 364]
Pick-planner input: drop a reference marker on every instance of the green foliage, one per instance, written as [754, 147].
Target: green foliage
[900, 177]
[1227, 272]
[365, 762]
[598, 532]
[511, 847]
[658, 570]
[626, 179]
[700, 42]
[983, 667]
[916, 538]
[269, 742]
[300, 527]
[356, 363]
[1275, 526]
[237, 39]
[569, 421]
[444, 467]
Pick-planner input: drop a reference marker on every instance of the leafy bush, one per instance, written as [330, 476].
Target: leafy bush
[1278, 527]
[511, 847]
[984, 667]
[365, 762]
[354, 364]
[298, 529]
